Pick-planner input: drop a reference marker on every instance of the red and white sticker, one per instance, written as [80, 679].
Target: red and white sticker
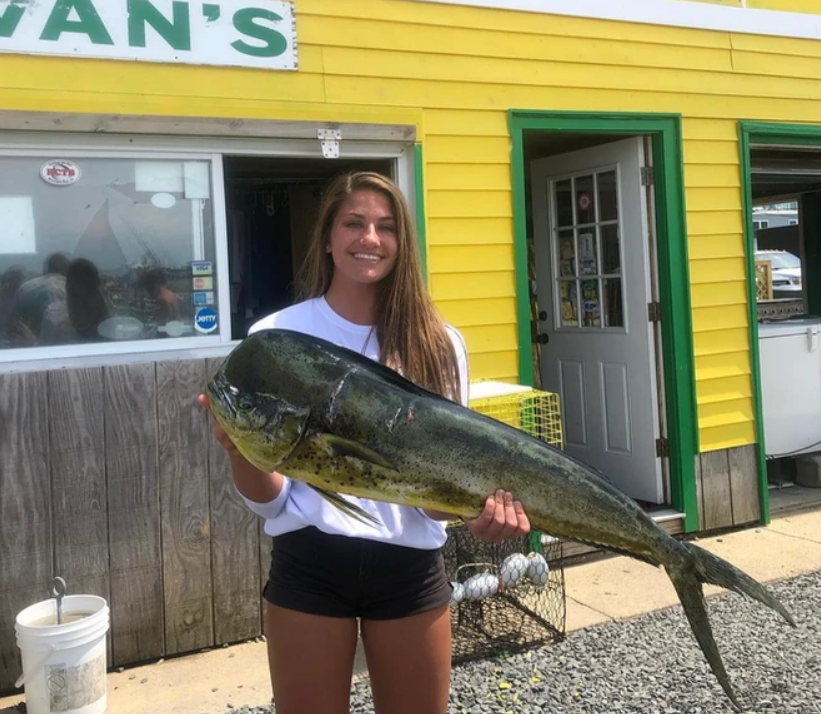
[60, 173]
[584, 201]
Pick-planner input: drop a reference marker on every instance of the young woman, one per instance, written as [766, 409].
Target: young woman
[362, 288]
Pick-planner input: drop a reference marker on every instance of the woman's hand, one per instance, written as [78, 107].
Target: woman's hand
[501, 518]
[219, 432]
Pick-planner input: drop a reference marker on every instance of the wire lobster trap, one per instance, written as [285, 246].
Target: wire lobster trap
[509, 596]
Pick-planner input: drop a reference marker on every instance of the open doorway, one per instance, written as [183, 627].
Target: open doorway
[594, 295]
[271, 203]
[785, 185]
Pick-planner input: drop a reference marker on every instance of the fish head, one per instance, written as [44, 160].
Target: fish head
[263, 423]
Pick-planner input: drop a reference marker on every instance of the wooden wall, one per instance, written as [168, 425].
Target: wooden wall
[728, 488]
[110, 479]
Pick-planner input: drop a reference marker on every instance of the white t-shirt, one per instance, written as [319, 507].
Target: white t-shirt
[298, 505]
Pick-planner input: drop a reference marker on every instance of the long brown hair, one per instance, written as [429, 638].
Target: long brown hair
[411, 334]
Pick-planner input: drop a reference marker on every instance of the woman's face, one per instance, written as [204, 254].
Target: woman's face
[363, 240]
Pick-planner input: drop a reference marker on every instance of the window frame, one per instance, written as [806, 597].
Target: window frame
[180, 148]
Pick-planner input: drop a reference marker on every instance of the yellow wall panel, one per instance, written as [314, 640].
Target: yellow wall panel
[711, 247]
[774, 65]
[454, 41]
[144, 78]
[718, 270]
[719, 366]
[738, 411]
[469, 204]
[700, 151]
[713, 199]
[474, 313]
[466, 286]
[719, 318]
[719, 293]
[709, 129]
[468, 177]
[467, 150]
[469, 231]
[704, 176]
[516, 22]
[528, 73]
[712, 391]
[721, 341]
[480, 258]
[502, 365]
[715, 223]
[809, 6]
[489, 338]
[452, 122]
[727, 436]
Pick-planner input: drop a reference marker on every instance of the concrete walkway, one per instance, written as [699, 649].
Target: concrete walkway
[602, 590]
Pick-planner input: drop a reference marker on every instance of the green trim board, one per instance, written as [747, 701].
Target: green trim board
[421, 226]
[674, 280]
[763, 134]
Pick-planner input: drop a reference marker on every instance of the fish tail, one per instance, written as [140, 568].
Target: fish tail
[688, 574]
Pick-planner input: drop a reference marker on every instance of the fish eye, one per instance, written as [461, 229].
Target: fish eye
[246, 403]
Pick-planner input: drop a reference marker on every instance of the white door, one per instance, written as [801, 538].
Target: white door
[593, 282]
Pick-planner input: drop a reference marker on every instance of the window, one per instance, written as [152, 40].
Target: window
[587, 246]
[100, 250]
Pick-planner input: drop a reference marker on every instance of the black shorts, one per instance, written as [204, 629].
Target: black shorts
[341, 576]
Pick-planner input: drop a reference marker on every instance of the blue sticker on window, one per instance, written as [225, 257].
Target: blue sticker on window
[205, 320]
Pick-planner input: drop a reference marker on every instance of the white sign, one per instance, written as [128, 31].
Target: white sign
[60, 173]
[238, 33]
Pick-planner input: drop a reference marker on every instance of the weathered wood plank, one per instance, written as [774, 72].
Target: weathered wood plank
[25, 507]
[234, 550]
[699, 492]
[76, 433]
[137, 629]
[183, 429]
[745, 485]
[715, 484]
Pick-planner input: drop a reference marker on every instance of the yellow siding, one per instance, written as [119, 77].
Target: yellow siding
[454, 72]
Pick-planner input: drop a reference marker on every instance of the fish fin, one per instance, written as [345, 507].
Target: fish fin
[691, 595]
[348, 508]
[346, 447]
[705, 567]
[718, 571]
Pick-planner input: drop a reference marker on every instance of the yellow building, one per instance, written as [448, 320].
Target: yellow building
[584, 174]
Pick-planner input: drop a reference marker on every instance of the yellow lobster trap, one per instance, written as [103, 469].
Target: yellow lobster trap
[531, 410]
[504, 620]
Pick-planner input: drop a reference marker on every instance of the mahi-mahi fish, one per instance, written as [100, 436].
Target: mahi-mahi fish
[345, 424]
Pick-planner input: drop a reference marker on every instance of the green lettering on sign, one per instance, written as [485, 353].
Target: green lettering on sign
[246, 22]
[176, 32]
[10, 18]
[89, 22]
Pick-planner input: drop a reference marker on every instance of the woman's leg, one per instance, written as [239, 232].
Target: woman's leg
[311, 659]
[409, 662]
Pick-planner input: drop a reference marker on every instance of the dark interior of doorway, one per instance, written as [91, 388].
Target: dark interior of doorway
[271, 203]
[541, 145]
[786, 192]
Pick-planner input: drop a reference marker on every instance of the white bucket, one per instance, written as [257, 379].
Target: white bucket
[64, 666]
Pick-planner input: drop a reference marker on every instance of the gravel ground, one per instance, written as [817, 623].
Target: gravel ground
[652, 665]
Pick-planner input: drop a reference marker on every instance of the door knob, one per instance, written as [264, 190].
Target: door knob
[542, 339]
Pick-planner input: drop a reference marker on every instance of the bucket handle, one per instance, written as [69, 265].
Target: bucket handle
[22, 679]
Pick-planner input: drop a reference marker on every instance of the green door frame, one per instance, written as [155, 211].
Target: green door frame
[749, 134]
[674, 281]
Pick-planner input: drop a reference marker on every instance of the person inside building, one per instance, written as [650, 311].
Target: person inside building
[331, 576]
